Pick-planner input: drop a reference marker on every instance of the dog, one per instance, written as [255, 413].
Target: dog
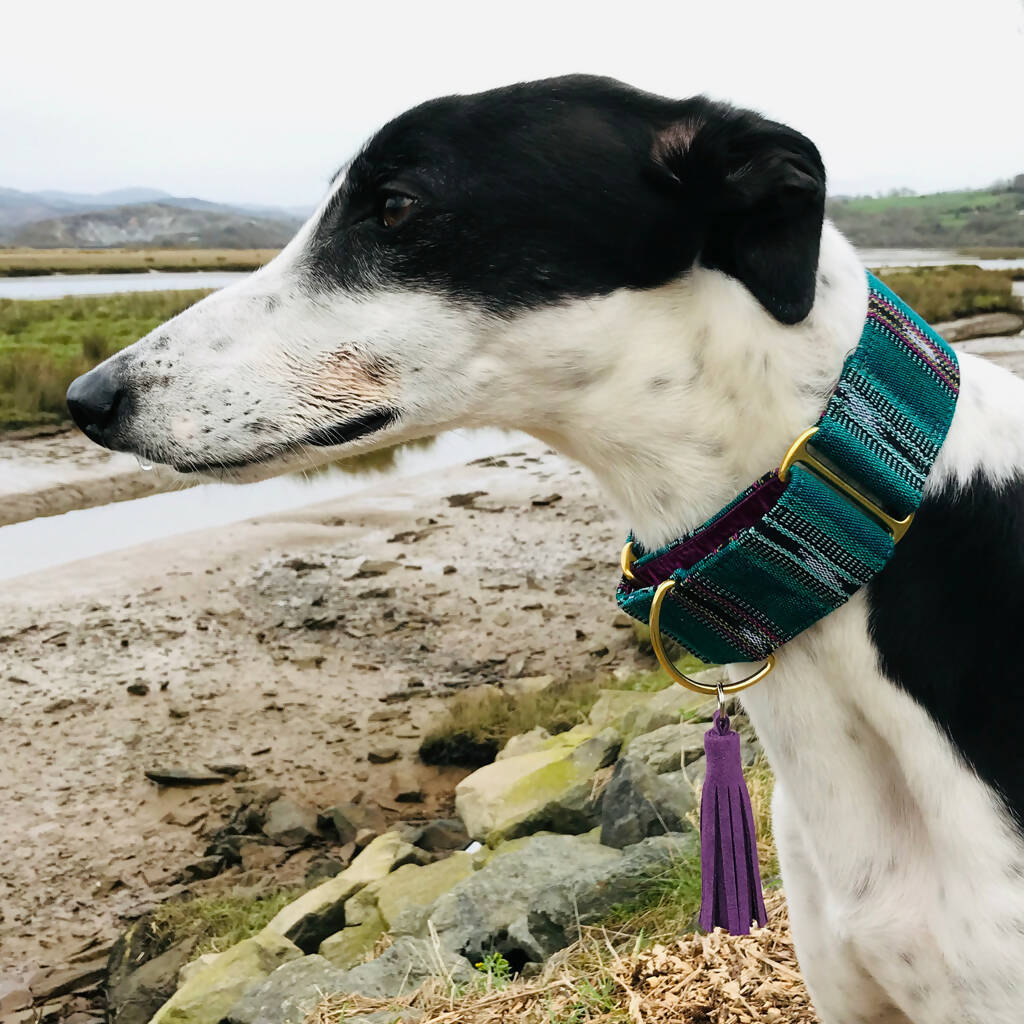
[650, 286]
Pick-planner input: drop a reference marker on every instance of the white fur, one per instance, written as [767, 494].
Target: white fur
[897, 860]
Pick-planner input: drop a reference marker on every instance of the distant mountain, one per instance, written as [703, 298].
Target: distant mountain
[156, 224]
[944, 220]
[116, 197]
[138, 216]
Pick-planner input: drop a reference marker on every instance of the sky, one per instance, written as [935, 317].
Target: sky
[259, 102]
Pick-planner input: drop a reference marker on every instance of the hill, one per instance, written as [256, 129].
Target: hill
[139, 216]
[944, 220]
[156, 224]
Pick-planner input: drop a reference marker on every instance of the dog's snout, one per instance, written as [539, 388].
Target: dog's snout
[94, 400]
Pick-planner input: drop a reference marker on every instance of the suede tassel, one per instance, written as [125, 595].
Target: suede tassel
[731, 877]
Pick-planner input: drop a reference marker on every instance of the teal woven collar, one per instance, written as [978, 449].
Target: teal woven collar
[804, 538]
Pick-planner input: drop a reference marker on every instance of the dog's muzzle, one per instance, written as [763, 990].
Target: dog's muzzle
[96, 401]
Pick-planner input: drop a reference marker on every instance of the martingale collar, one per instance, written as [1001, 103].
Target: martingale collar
[804, 538]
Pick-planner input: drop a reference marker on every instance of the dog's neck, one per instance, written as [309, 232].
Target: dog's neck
[679, 397]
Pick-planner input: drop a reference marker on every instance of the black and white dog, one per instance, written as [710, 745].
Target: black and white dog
[649, 286]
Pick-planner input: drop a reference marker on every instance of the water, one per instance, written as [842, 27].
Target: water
[55, 540]
[931, 258]
[56, 286]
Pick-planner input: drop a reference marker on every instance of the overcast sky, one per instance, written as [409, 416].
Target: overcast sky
[259, 102]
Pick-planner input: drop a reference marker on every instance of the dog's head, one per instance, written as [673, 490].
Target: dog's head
[391, 314]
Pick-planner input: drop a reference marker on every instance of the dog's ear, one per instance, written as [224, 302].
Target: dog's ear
[757, 190]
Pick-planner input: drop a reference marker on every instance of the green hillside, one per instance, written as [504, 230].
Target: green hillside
[945, 220]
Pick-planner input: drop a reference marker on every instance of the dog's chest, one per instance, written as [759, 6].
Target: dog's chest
[898, 861]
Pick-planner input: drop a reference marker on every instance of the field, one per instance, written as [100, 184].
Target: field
[944, 220]
[945, 293]
[45, 344]
[27, 262]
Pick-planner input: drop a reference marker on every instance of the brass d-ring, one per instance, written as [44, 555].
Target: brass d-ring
[684, 680]
[626, 560]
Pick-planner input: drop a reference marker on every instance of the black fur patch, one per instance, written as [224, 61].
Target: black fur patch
[575, 187]
[947, 614]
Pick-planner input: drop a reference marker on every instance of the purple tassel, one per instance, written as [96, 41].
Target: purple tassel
[731, 878]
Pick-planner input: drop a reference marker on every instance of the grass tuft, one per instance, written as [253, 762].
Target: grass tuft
[477, 724]
[218, 921]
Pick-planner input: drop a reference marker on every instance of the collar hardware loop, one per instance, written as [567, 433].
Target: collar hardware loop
[798, 452]
[710, 689]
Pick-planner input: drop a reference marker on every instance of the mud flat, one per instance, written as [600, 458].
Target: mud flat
[294, 645]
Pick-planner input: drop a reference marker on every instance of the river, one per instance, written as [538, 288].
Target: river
[55, 286]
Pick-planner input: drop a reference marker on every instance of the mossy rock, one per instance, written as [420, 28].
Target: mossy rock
[320, 912]
[353, 945]
[209, 994]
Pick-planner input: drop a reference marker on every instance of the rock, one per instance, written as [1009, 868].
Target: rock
[348, 819]
[585, 896]
[525, 743]
[489, 909]
[403, 967]
[669, 748]
[231, 768]
[443, 834]
[206, 867]
[464, 500]
[549, 788]
[175, 776]
[352, 945]
[984, 325]
[13, 996]
[194, 967]
[259, 856]
[61, 981]
[290, 824]
[133, 998]
[364, 837]
[638, 803]
[404, 897]
[320, 912]
[406, 787]
[210, 993]
[373, 567]
[527, 684]
[325, 865]
[137, 689]
[382, 755]
[289, 994]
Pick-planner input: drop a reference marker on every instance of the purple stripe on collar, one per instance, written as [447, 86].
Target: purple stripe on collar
[687, 553]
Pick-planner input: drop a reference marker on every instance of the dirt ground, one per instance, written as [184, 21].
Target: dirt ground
[294, 645]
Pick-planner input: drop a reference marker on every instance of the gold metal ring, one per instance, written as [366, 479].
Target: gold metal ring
[712, 689]
[626, 560]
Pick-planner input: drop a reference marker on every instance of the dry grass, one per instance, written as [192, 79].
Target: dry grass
[644, 964]
[700, 979]
[28, 262]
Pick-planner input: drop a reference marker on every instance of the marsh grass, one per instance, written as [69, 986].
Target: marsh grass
[945, 293]
[46, 343]
[30, 262]
[217, 921]
[476, 724]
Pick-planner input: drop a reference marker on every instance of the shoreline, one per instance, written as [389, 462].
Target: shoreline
[292, 644]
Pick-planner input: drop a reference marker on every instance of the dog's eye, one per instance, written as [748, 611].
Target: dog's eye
[395, 209]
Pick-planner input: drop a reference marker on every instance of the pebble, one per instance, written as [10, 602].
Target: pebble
[382, 755]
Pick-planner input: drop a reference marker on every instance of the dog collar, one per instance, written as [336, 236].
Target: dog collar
[804, 538]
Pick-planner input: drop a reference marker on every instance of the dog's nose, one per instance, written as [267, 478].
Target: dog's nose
[93, 401]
